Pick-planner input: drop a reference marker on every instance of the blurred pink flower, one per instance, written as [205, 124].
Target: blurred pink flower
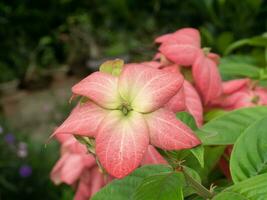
[241, 93]
[77, 167]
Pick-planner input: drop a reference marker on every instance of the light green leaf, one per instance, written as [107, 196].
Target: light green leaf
[164, 186]
[249, 156]
[258, 41]
[122, 189]
[230, 69]
[113, 67]
[198, 152]
[189, 120]
[213, 113]
[254, 188]
[225, 129]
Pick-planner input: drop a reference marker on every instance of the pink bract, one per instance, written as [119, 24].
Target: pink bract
[241, 93]
[207, 78]
[76, 166]
[125, 114]
[180, 47]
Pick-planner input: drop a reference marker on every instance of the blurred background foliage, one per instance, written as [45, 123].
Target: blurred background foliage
[41, 40]
[41, 35]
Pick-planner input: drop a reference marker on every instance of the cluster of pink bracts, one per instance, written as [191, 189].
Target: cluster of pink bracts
[130, 113]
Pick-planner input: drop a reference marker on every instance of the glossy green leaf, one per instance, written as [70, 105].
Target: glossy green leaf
[122, 189]
[189, 120]
[164, 186]
[225, 129]
[249, 156]
[212, 156]
[254, 188]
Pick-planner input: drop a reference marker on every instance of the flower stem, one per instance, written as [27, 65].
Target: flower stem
[200, 189]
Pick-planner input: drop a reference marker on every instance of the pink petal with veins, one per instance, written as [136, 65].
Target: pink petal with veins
[152, 156]
[177, 102]
[122, 142]
[153, 64]
[83, 120]
[167, 132]
[181, 54]
[193, 103]
[146, 88]
[100, 88]
[207, 78]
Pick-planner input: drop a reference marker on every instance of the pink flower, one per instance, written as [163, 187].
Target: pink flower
[241, 93]
[126, 113]
[152, 156]
[183, 47]
[77, 167]
[186, 99]
[207, 77]
[180, 47]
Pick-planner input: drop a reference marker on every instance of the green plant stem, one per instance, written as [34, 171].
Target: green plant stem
[200, 189]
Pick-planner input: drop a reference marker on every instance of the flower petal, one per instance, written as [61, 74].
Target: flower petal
[169, 133]
[121, 142]
[164, 38]
[207, 78]
[177, 102]
[100, 88]
[232, 86]
[182, 36]
[146, 88]
[83, 191]
[97, 180]
[193, 103]
[152, 156]
[181, 54]
[72, 169]
[83, 120]
[55, 174]
[262, 94]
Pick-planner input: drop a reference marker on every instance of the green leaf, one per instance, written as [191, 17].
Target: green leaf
[254, 188]
[258, 41]
[213, 114]
[163, 186]
[187, 188]
[198, 152]
[230, 69]
[189, 120]
[112, 67]
[249, 156]
[225, 129]
[212, 156]
[122, 189]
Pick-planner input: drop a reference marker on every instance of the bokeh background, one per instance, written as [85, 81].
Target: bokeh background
[48, 45]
